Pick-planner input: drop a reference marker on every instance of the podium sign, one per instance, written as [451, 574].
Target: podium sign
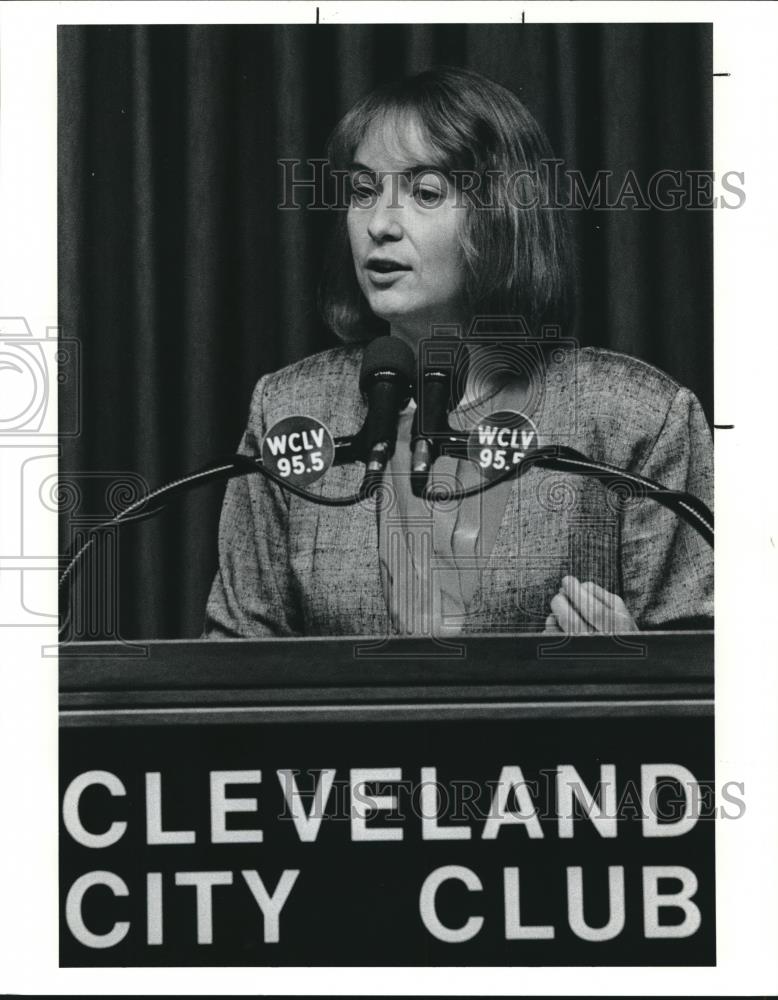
[305, 803]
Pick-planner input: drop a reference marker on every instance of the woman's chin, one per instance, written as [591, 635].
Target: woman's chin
[387, 303]
[391, 313]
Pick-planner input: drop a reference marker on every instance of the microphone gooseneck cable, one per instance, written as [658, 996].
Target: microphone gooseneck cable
[557, 457]
[386, 379]
[562, 459]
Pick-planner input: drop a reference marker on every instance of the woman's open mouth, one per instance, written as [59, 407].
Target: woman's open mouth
[384, 271]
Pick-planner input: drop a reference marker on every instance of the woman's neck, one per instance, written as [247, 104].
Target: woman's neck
[489, 373]
[416, 332]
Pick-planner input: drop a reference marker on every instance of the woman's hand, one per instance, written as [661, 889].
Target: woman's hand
[585, 607]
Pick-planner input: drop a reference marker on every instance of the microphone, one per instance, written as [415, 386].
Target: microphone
[386, 379]
[429, 423]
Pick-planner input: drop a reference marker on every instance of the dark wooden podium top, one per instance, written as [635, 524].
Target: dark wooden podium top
[366, 679]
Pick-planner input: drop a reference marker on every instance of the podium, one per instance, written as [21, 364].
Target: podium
[495, 800]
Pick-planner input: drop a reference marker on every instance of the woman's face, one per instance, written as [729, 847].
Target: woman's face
[403, 223]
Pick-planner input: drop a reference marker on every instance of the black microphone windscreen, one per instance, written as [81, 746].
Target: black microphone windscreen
[387, 353]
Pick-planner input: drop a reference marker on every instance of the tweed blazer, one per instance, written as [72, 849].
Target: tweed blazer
[289, 567]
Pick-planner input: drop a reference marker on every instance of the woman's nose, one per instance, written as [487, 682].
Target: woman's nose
[384, 221]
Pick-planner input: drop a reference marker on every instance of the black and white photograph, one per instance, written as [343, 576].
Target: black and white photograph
[382, 470]
[225, 259]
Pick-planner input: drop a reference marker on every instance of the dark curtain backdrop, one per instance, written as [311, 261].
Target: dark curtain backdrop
[183, 282]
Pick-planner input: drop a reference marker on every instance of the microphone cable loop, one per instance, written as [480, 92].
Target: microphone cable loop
[557, 457]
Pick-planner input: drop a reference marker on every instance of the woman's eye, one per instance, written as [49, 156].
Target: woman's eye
[425, 195]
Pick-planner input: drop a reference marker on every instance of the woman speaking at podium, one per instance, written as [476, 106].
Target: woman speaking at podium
[451, 224]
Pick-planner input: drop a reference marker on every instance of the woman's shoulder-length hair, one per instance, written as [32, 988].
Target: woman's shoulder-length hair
[514, 238]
